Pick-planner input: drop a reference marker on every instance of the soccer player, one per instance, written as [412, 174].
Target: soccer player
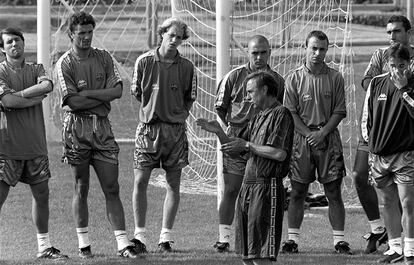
[315, 95]
[387, 125]
[165, 84]
[235, 112]
[268, 139]
[23, 148]
[399, 31]
[89, 81]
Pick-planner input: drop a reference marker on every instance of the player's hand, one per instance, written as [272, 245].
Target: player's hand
[209, 125]
[316, 139]
[234, 147]
[399, 79]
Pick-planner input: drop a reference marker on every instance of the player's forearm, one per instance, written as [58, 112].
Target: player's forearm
[332, 123]
[37, 90]
[82, 103]
[11, 101]
[300, 127]
[266, 151]
[106, 95]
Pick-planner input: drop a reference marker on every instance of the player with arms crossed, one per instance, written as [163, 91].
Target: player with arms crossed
[23, 147]
[89, 81]
[235, 111]
[387, 125]
[165, 84]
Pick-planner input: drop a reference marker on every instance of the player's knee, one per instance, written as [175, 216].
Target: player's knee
[360, 180]
[112, 193]
[298, 195]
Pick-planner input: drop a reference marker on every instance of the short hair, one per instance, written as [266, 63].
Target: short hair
[259, 39]
[320, 35]
[264, 78]
[399, 51]
[399, 18]
[173, 21]
[11, 31]
[80, 18]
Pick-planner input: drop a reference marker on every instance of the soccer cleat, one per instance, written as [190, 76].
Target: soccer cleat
[128, 252]
[375, 240]
[222, 247]
[289, 246]
[391, 257]
[409, 260]
[85, 253]
[342, 247]
[164, 247]
[140, 247]
[52, 254]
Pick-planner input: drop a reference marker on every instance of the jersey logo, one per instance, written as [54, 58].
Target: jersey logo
[307, 98]
[174, 87]
[82, 84]
[382, 97]
[99, 76]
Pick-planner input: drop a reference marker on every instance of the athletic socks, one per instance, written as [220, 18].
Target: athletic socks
[377, 226]
[121, 239]
[293, 234]
[83, 237]
[395, 245]
[409, 247]
[165, 235]
[338, 236]
[224, 233]
[43, 242]
[140, 234]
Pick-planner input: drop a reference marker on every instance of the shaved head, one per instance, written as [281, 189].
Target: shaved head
[258, 52]
[258, 39]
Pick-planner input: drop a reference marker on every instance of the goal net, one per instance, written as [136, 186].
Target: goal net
[127, 28]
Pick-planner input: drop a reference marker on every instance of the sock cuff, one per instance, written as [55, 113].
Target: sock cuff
[119, 233]
[140, 230]
[82, 229]
[293, 230]
[165, 230]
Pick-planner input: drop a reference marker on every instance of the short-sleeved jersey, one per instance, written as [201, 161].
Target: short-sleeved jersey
[315, 98]
[231, 95]
[274, 127]
[22, 131]
[379, 64]
[166, 90]
[387, 122]
[97, 71]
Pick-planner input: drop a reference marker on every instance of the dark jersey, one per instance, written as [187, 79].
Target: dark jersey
[388, 117]
[273, 126]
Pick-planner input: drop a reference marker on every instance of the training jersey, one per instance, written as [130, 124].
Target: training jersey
[388, 117]
[274, 127]
[166, 90]
[95, 72]
[379, 64]
[232, 98]
[22, 131]
[315, 98]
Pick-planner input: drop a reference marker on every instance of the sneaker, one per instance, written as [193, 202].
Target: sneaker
[85, 253]
[52, 254]
[375, 240]
[222, 247]
[128, 252]
[342, 247]
[164, 247]
[409, 260]
[140, 247]
[391, 257]
[289, 246]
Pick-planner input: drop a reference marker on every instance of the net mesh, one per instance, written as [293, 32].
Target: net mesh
[126, 29]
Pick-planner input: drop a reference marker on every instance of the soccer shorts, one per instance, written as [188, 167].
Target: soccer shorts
[396, 168]
[88, 137]
[307, 160]
[259, 219]
[235, 165]
[32, 171]
[161, 145]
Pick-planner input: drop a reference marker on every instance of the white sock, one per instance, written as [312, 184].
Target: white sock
[140, 234]
[121, 239]
[395, 245]
[165, 235]
[83, 237]
[43, 242]
[338, 236]
[409, 247]
[377, 226]
[224, 233]
[293, 234]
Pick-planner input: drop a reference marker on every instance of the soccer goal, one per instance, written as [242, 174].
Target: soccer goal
[127, 28]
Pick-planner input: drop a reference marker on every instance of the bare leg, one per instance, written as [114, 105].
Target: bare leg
[80, 196]
[139, 196]
[40, 206]
[232, 184]
[172, 198]
[4, 192]
[336, 205]
[296, 204]
[392, 212]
